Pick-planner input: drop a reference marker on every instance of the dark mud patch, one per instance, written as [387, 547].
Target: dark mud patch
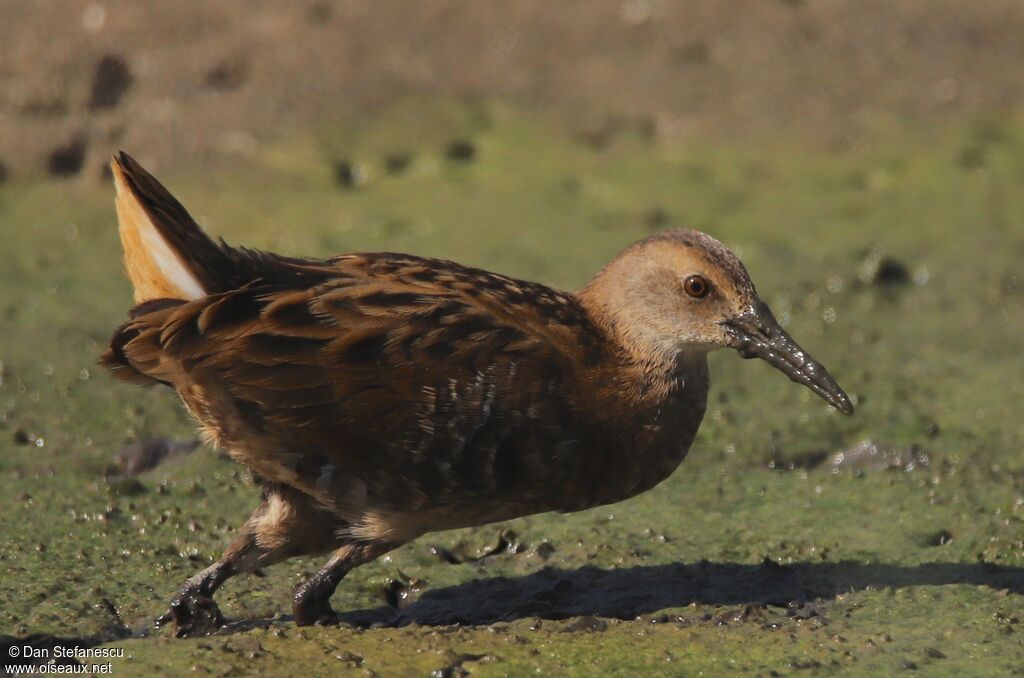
[229, 74]
[657, 219]
[747, 613]
[461, 150]
[349, 174]
[67, 160]
[319, 13]
[508, 542]
[940, 538]
[456, 667]
[882, 270]
[586, 624]
[23, 437]
[396, 163]
[807, 459]
[110, 82]
[143, 456]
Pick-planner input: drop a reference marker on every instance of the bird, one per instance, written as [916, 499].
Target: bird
[376, 397]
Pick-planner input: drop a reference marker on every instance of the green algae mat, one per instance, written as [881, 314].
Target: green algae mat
[792, 540]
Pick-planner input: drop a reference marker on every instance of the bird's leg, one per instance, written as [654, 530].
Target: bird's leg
[285, 524]
[193, 610]
[312, 600]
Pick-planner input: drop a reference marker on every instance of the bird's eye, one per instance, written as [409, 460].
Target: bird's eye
[697, 287]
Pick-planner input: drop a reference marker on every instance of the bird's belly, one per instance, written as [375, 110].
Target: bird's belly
[565, 494]
[509, 467]
[573, 479]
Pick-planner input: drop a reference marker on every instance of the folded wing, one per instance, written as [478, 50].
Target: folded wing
[413, 377]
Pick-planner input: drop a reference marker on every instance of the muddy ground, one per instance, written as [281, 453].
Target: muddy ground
[884, 227]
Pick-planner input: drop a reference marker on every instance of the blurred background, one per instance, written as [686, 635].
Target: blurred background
[865, 158]
[175, 82]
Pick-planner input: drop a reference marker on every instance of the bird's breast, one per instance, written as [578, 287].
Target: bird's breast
[644, 446]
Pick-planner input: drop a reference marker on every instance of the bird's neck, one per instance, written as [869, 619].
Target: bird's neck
[623, 307]
[648, 402]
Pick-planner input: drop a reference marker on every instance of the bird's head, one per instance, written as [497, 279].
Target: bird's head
[681, 293]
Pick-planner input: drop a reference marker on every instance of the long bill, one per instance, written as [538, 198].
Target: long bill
[756, 334]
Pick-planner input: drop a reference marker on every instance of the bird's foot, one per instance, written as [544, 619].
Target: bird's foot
[194, 615]
[314, 611]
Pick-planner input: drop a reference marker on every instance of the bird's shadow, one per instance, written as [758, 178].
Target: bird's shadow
[626, 593]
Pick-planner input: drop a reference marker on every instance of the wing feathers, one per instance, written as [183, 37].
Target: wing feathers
[378, 371]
